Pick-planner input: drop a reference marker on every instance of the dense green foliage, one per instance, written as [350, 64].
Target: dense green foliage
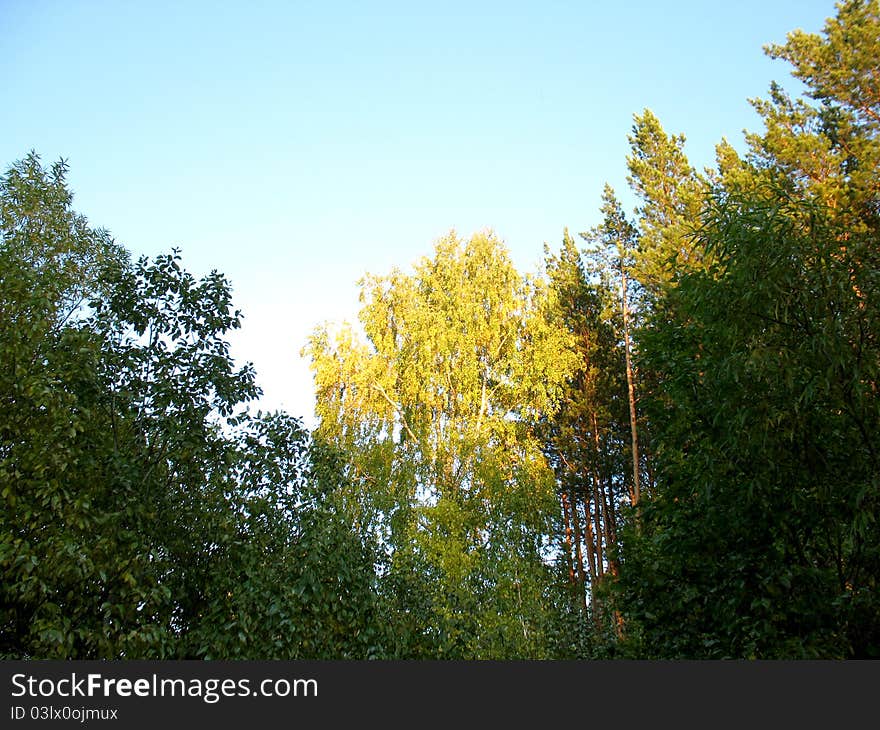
[666, 445]
[139, 502]
[762, 540]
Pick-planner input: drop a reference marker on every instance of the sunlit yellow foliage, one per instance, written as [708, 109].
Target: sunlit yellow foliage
[434, 406]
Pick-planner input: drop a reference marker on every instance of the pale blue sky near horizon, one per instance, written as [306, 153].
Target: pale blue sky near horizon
[295, 146]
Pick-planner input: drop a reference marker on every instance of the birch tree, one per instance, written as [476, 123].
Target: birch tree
[434, 406]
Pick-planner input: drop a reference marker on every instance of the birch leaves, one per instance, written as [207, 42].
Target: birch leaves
[434, 408]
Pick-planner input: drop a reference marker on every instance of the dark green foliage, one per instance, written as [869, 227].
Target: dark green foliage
[763, 541]
[291, 581]
[144, 514]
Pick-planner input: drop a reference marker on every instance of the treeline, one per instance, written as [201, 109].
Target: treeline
[662, 445]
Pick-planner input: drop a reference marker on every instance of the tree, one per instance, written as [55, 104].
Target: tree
[49, 434]
[618, 240]
[584, 441]
[138, 497]
[828, 151]
[759, 541]
[671, 194]
[435, 411]
[316, 598]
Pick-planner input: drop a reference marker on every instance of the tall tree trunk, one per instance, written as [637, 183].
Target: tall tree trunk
[597, 527]
[592, 555]
[569, 560]
[590, 545]
[606, 497]
[578, 550]
[636, 490]
[610, 530]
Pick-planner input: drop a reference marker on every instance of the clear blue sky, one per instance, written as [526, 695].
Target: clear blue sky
[296, 145]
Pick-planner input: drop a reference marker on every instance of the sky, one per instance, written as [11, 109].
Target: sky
[295, 146]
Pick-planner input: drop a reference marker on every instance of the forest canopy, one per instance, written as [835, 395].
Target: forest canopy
[662, 444]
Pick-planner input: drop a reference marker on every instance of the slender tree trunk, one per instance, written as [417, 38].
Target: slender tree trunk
[569, 561]
[590, 544]
[578, 550]
[607, 499]
[636, 490]
[606, 496]
[592, 555]
[598, 507]
[610, 530]
[597, 527]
